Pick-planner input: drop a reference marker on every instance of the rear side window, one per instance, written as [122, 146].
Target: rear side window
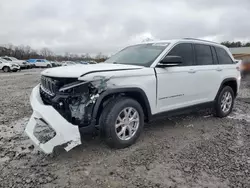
[223, 56]
[185, 51]
[203, 54]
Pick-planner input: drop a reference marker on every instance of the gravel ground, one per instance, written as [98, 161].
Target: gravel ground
[196, 150]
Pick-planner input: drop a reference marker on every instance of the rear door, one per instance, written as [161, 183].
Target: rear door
[207, 72]
[38, 63]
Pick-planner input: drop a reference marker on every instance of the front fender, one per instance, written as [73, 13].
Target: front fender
[116, 91]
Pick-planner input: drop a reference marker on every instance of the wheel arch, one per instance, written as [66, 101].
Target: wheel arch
[135, 93]
[5, 67]
[232, 82]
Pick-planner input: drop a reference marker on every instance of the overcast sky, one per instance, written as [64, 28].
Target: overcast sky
[92, 26]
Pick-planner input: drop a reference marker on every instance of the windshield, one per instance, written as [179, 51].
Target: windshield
[142, 54]
[4, 61]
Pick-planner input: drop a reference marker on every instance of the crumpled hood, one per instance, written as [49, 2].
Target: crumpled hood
[76, 71]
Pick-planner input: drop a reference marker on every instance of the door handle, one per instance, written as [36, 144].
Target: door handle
[192, 71]
[219, 69]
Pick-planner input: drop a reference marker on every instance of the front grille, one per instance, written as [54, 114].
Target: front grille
[48, 85]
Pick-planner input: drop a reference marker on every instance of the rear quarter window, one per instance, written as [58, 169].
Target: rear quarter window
[223, 56]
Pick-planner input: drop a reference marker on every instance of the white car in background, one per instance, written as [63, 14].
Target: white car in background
[7, 66]
[23, 64]
[67, 63]
[43, 63]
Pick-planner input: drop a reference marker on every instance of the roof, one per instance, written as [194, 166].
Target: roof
[240, 50]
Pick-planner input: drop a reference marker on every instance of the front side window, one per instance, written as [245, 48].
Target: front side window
[185, 51]
[203, 54]
[38, 60]
[142, 54]
[8, 59]
[223, 56]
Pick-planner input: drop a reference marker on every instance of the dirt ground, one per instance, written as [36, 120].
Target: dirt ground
[196, 150]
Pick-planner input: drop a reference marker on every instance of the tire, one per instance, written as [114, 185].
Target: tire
[48, 66]
[6, 69]
[219, 112]
[15, 70]
[109, 118]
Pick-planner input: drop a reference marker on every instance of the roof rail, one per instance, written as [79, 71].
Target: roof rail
[200, 40]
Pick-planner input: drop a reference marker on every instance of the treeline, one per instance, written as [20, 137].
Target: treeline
[235, 44]
[26, 52]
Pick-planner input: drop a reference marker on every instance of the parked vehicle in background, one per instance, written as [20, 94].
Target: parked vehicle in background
[92, 62]
[87, 62]
[53, 64]
[42, 63]
[83, 62]
[57, 64]
[7, 66]
[23, 64]
[134, 86]
[68, 63]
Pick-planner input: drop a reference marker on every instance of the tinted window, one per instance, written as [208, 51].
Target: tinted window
[203, 54]
[7, 59]
[215, 59]
[38, 60]
[184, 50]
[223, 56]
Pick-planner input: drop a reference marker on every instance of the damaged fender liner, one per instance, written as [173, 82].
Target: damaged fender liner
[114, 91]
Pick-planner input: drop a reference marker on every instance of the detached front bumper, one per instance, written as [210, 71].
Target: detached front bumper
[66, 133]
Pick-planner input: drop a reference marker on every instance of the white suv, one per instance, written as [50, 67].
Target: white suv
[6, 66]
[132, 87]
[23, 64]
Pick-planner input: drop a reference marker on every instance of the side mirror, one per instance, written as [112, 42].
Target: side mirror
[169, 61]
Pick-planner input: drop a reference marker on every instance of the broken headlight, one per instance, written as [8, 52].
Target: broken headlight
[75, 87]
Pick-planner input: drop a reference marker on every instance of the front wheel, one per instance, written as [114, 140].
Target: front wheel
[224, 102]
[122, 121]
[6, 69]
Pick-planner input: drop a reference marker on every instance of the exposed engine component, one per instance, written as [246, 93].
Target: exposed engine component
[75, 100]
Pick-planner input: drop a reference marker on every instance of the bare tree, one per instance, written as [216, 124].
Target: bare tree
[46, 52]
[26, 52]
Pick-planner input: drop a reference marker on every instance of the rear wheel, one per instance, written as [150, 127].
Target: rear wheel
[6, 69]
[122, 121]
[224, 102]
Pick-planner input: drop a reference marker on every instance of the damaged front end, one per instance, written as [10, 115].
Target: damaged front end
[61, 106]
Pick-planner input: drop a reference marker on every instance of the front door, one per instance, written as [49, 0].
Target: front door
[177, 85]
